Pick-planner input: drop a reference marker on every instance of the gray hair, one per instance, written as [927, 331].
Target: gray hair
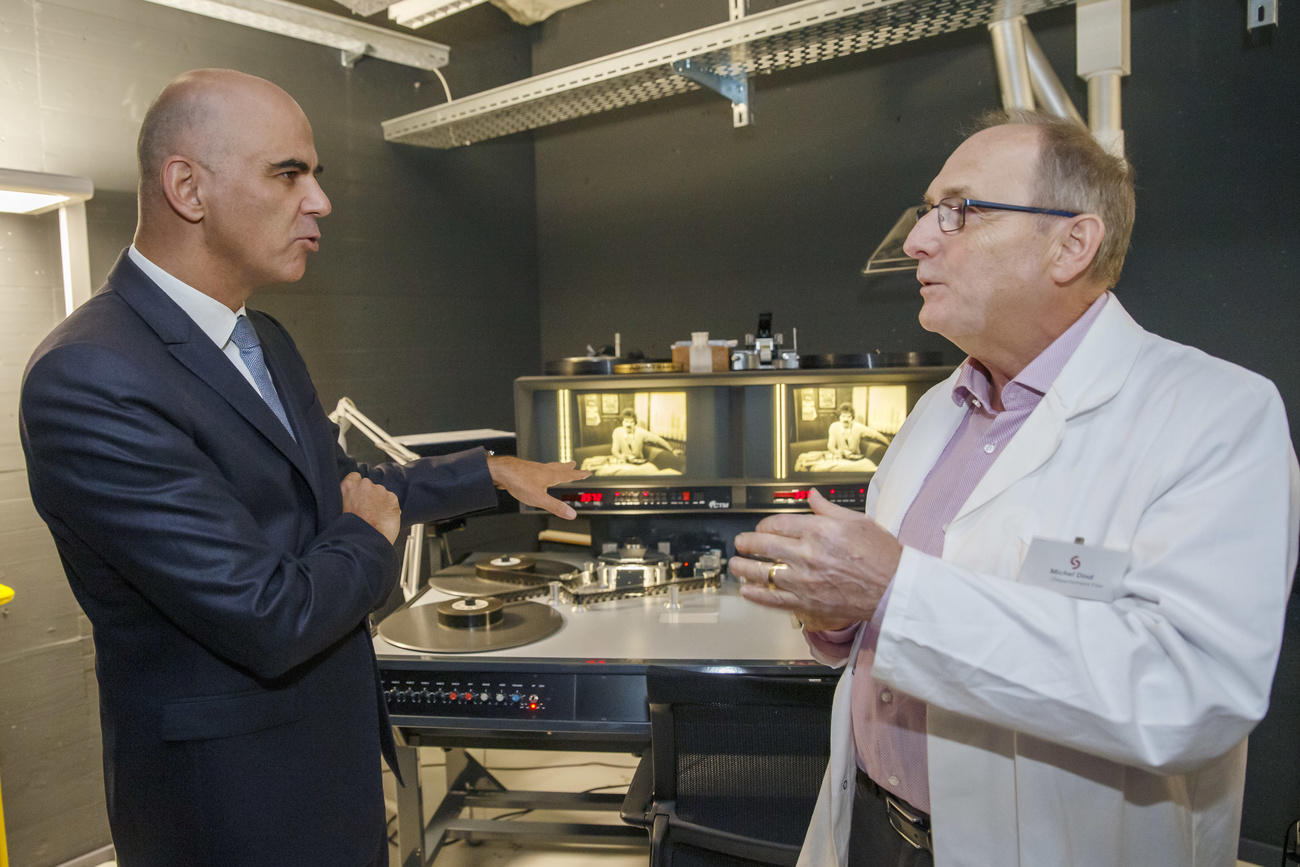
[1075, 173]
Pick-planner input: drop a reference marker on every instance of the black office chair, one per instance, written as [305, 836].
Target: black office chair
[734, 767]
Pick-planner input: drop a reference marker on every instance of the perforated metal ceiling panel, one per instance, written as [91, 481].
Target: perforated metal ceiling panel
[783, 38]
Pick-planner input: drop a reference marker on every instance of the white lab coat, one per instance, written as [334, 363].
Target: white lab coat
[1072, 732]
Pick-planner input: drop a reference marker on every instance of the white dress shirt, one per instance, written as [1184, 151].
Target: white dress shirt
[211, 316]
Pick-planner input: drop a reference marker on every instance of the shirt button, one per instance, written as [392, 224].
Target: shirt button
[988, 448]
[886, 696]
[893, 780]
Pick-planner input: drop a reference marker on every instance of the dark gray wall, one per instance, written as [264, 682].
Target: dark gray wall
[422, 304]
[661, 219]
[427, 263]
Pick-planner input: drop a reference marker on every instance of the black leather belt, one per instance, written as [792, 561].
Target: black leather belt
[910, 823]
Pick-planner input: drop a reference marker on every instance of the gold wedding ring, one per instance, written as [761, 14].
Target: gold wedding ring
[771, 573]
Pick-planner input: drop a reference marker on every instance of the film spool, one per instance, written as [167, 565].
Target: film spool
[871, 360]
[511, 563]
[518, 568]
[648, 367]
[469, 612]
[581, 365]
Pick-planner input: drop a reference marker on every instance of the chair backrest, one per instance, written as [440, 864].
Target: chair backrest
[738, 753]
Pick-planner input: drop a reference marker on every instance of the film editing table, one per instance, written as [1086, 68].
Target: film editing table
[541, 651]
[559, 666]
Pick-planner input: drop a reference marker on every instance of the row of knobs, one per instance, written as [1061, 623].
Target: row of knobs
[466, 697]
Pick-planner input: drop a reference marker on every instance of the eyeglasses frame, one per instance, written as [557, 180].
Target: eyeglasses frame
[925, 208]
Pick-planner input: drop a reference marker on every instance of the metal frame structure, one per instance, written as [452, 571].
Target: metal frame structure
[783, 38]
[353, 39]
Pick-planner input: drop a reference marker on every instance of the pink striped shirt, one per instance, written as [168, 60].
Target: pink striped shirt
[889, 726]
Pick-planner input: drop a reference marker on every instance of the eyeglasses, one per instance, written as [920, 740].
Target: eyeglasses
[952, 211]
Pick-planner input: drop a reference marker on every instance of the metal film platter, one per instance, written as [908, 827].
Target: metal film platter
[504, 574]
[468, 625]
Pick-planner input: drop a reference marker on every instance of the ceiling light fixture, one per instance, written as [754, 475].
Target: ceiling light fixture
[353, 38]
[417, 13]
[32, 193]
[37, 192]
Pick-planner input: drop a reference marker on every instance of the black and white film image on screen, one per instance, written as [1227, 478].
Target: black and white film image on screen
[640, 433]
[844, 428]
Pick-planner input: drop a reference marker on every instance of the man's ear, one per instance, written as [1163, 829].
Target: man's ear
[180, 186]
[1076, 247]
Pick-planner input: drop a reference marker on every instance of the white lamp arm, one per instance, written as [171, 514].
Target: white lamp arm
[347, 415]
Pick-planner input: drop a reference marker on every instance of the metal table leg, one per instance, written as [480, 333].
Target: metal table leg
[469, 784]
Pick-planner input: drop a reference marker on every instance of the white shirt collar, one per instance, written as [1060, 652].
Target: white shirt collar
[211, 316]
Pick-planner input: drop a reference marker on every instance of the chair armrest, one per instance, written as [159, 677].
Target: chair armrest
[736, 845]
[638, 803]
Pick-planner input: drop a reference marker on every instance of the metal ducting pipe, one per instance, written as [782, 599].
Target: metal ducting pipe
[1048, 89]
[1013, 68]
[1102, 31]
[1104, 111]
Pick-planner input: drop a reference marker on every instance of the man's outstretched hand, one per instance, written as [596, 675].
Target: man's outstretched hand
[527, 481]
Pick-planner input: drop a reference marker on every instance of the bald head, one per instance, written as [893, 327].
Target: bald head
[229, 195]
[198, 115]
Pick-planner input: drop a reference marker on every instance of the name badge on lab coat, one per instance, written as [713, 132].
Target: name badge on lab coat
[1074, 569]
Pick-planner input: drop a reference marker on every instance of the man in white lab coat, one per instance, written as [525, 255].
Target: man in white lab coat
[1061, 613]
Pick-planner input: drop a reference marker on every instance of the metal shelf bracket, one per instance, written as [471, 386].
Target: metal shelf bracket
[1260, 13]
[733, 87]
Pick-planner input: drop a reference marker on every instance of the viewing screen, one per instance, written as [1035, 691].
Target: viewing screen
[630, 433]
[844, 428]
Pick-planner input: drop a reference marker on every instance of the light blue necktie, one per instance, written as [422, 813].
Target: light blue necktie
[251, 351]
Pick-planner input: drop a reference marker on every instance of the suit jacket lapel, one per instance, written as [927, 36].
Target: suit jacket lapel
[192, 348]
[297, 394]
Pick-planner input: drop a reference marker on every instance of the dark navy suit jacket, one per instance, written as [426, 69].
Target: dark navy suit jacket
[240, 708]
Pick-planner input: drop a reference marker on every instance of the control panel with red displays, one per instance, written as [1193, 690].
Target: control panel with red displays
[764, 497]
[617, 498]
[741, 497]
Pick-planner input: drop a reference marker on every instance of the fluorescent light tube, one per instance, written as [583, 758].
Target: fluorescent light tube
[37, 192]
[353, 38]
[28, 203]
[417, 13]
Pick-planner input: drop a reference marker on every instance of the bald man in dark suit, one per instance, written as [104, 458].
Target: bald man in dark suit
[226, 551]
